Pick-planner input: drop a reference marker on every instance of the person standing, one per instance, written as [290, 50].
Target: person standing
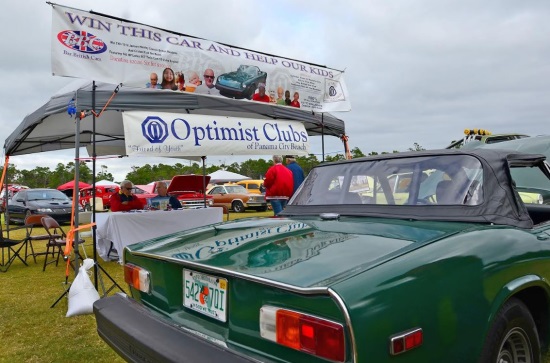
[297, 172]
[278, 183]
[208, 87]
[124, 200]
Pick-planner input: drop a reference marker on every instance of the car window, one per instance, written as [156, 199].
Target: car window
[253, 186]
[236, 189]
[532, 184]
[217, 190]
[442, 180]
[46, 195]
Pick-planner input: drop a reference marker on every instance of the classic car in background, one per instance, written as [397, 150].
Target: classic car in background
[39, 201]
[190, 190]
[253, 186]
[237, 198]
[101, 191]
[474, 137]
[457, 273]
[241, 83]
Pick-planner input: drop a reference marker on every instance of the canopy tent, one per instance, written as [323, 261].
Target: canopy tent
[71, 184]
[51, 128]
[220, 176]
[105, 183]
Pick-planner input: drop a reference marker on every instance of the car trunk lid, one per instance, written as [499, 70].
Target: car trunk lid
[303, 253]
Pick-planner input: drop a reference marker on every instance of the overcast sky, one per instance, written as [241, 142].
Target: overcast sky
[416, 71]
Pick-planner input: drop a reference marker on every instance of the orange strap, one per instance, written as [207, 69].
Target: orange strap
[6, 163]
[70, 240]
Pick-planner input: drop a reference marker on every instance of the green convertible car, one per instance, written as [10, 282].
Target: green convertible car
[458, 272]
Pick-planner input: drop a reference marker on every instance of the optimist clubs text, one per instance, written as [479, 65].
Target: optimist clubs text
[272, 132]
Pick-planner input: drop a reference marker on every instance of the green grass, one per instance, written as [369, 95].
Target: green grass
[31, 331]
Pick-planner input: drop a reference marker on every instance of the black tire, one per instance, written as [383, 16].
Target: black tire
[237, 206]
[513, 337]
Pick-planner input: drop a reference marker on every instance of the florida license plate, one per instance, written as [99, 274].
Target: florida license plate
[206, 294]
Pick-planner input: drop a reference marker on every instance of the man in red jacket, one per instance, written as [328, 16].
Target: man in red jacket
[124, 200]
[279, 184]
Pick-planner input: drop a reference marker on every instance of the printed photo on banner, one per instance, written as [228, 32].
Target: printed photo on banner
[98, 47]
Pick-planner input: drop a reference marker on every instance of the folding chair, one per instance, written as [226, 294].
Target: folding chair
[56, 242]
[32, 222]
[12, 247]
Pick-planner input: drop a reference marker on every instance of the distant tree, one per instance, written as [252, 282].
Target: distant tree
[254, 169]
[36, 178]
[416, 147]
[307, 162]
[356, 153]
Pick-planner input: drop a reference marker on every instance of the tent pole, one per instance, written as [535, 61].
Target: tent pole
[323, 135]
[204, 179]
[94, 228]
[6, 197]
[76, 195]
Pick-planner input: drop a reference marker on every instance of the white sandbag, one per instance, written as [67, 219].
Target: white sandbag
[82, 293]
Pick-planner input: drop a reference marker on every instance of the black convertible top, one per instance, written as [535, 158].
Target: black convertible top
[501, 203]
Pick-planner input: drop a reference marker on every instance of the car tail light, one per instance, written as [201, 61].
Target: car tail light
[303, 332]
[408, 340]
[137, 277]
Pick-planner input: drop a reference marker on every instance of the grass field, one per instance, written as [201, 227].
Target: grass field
[31, 331]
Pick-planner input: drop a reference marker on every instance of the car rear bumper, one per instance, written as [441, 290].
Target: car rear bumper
[139, 336]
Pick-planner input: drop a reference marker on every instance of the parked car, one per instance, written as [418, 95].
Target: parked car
[39, 201]
[236, 197]
[101, 191]
[458, 273]
[12, 189]
[190, 190]
[253, 186]
[241, 83]
[474, 137]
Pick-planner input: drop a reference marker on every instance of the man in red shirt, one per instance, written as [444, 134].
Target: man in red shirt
[261, 96]
[124, 200]
[279, 184]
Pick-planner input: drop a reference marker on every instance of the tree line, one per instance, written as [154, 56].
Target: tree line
[43, 177]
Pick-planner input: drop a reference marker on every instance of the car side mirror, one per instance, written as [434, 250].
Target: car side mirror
[21, 200]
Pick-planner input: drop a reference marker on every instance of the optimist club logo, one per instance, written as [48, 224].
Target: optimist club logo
[81, 41]
[154, 129]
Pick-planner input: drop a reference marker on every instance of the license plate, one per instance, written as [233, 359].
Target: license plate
[206, 294]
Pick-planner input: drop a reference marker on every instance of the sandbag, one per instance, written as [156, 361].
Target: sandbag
[82, 293]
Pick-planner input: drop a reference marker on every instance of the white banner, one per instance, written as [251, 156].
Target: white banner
[86, 45]
[174, 134]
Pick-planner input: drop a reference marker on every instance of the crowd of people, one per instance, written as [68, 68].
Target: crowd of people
[175, 81]
[280, 183]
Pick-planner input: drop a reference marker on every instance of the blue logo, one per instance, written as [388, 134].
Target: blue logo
[81, 41]
[154, 129]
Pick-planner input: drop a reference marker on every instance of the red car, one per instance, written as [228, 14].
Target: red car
[189, 189]
[101, 191]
